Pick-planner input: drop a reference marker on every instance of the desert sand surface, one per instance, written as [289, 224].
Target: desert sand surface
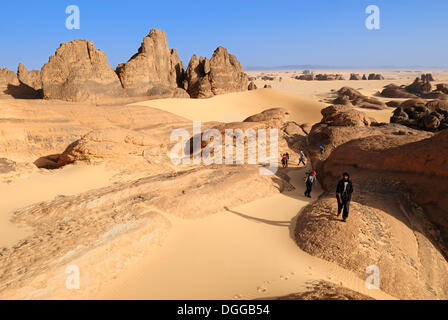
[234, 107]
[245, 252]
[145, 229]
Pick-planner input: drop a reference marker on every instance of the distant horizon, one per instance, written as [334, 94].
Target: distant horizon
[323, 34]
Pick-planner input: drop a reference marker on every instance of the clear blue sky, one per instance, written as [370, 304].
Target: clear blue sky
[260, 33]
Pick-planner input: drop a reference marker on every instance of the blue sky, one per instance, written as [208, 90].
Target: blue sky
[260, 33]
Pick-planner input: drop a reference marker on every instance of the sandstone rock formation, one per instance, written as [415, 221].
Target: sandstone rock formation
[394, 91]
[100, 145]
[252, 86]
[7, 79]
[427, 77]
[355, 76]
[307, 77]
[32, 78]
[325, 77]
[267, 86]
[375, 76]
[339, 115]
[350, 96]
[79, 72]
[419, 114]
[394, 223]
[364, 77]
[419, 87]
[155, 70]
[221, 74]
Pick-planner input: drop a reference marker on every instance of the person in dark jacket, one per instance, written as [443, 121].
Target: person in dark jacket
[310, 178]
[344, 192]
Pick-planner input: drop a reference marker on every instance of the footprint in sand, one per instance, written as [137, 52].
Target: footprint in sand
[261, 289]
[284, 277]
[238, 296]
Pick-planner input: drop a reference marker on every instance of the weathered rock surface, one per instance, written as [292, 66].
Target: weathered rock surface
[252, 86]
[80, 73]
[355, 76]
[339, 115]
[155, 70]
[32, 78]
[7, 79]
[419, 114]
[349, 96]
[394, 222]
[221, 74]
[394, 91]
[328, 77]
[375, 76]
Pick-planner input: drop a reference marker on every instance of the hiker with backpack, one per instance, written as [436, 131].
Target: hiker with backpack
[287, 159]
[284, 160]
[310, 178]
[344, 192]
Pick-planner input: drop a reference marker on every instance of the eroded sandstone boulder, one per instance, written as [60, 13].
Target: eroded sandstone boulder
[155, 70]
[79, 72]
[8, 78]
[350, 96]
[221, 74]
[32, 78]
[252, 86]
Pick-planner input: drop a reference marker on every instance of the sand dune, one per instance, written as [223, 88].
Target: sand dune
[245, 252]
[238, 106]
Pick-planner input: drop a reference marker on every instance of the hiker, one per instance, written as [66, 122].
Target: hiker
[322, 149]
[287, 159]
[284, 160]
[310, 178]
[344, 192]
[302, 159]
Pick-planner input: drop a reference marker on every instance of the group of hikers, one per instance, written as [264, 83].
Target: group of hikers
[344, 187]
[285, 159]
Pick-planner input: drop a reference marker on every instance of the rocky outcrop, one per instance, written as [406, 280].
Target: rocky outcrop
[394, 91]
[252, 86]
[275, 117]
[419, 114]
[394, 223]
[7, 79]
[155, 70]
[427, 77]
[221, 74]
[307, 77]
[355, 76]
[419, 87]
[79, 72]
[100, 145]
[349, 96]
[375, 76]
[32, 78]
[328, 77]
[339, 115]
